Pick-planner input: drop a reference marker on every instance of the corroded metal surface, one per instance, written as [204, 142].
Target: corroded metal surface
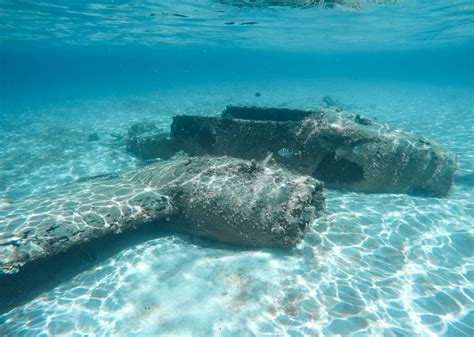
[345, 151]
[225, 199]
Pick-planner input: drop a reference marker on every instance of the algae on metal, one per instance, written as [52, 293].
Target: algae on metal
[346, 151]
[230, 200]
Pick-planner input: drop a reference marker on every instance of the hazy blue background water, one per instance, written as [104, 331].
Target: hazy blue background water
[373, 264]
[75, 48]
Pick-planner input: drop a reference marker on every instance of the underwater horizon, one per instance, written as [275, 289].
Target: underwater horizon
[78, 78]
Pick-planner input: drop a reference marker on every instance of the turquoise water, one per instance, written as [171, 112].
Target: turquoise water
[372, 264]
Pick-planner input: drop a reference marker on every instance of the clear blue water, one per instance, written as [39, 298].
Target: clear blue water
[373, 264]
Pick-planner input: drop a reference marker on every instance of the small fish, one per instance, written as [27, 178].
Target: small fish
[329, 101]
[356, 149]
[180, 15]
[362, 120]
[285, 153]
[4, 203]
[117, 136]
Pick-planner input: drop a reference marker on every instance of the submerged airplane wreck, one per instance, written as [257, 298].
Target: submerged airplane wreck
[246, 203]
[251, 177]
[345, 151]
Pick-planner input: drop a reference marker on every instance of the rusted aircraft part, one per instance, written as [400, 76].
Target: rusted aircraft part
[346, 151]
[230, 200]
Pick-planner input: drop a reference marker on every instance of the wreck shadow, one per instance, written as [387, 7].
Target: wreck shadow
[43, 275]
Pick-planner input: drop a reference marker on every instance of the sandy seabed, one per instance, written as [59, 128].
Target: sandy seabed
[371, 265]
